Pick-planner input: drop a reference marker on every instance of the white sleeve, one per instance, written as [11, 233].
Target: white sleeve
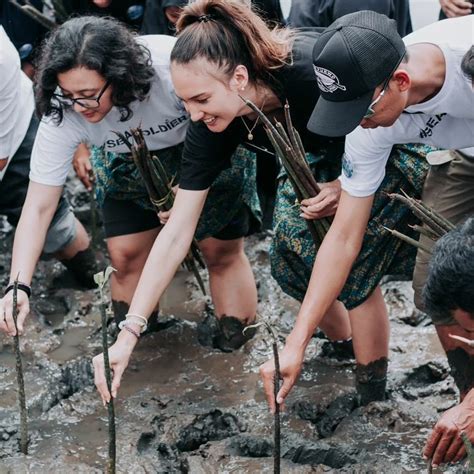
[54, 149]
[363, 165]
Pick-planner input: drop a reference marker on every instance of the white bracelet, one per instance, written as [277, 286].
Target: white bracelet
[126, 322]
[130, 315]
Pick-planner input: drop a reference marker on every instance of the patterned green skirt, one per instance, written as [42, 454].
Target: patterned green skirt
[293, 252]
[117, 177]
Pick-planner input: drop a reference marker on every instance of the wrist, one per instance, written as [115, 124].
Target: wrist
[297, 341]
[127, 339]
[24, 287]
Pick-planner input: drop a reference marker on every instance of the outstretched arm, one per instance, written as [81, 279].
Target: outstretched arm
[332, 266]
[167, 253]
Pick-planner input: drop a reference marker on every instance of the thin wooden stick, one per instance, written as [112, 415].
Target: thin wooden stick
[35, 14]
[277, 424]
[101, 279]
[19, 375]
[407, 239]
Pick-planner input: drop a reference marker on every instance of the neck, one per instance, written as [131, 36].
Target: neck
[427, 69]
[263, 97]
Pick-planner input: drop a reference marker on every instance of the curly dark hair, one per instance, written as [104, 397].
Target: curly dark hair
[450, 282]
[103, 45]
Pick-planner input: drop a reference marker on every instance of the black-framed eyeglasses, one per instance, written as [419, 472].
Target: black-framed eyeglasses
[86, 102]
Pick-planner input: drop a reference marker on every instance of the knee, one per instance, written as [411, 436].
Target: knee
[125, 259]
[220, 254]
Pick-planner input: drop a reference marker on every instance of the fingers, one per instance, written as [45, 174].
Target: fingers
[460, 454]
[99, 378]
[453, 449]
[454, 8]
[432, 442]
[285, 389]
[324, 208]
[164, 216]
[267, 373]
[118, 372]
[441, 449]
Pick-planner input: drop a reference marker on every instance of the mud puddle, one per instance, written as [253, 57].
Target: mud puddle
[186, 408]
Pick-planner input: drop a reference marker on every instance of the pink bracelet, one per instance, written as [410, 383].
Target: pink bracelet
[132, 331]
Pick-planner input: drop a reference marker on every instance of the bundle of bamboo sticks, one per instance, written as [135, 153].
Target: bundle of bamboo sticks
[289, 149]
[434, 224]
[160, 192]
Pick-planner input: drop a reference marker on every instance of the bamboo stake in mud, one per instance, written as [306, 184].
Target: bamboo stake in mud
[276, 389]
[101, 279]
[19, 375]
[93, 211]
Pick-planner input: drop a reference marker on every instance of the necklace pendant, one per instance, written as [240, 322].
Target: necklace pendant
[250, 137]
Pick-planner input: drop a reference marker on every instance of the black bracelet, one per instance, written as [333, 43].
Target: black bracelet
[21, 286]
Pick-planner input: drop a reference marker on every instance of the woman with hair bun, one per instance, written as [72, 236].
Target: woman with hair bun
[96, 78]
[224, 53]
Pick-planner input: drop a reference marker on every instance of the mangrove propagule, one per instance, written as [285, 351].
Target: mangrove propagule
[19, 375]
[101, 279]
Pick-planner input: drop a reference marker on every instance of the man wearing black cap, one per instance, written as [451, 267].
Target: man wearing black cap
[398, 91]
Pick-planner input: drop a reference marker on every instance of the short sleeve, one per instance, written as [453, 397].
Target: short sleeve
[206, 154]
[54, 149]
[363, 164]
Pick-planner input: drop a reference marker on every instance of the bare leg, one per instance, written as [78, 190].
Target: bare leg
[232, 283]
[128, 254]
[81, 242]
[336, 324]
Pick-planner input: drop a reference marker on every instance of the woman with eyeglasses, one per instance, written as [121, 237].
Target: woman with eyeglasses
[96, 78]
[225, 52]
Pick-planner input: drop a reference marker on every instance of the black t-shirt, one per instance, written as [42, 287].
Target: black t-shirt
[207, 153]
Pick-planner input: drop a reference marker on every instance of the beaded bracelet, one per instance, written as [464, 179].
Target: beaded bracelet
[132, 331]
[21, 286]
[137, 319]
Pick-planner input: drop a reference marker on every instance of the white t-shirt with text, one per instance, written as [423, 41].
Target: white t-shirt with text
[445, 121]
[161, 116]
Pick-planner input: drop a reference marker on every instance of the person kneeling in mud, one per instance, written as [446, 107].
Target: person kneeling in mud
[94, 77]
[64, 237]
[449, 291]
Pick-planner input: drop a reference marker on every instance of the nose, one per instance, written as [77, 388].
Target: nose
[195, 114]
[78, 107]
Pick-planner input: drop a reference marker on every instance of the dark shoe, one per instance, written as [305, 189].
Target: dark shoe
[83, 267]
[371, 381]
[225, 333]
[340, 350]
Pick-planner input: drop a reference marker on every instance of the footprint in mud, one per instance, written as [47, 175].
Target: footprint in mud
[420, 380]
[295, 449]
[327, 419]
[211, 426]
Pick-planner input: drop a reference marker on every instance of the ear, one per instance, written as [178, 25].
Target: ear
[401, 78]
[239, 79]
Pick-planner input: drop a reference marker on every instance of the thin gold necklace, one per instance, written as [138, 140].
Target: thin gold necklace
[250, 130]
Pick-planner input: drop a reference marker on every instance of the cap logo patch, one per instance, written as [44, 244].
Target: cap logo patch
[327, 80]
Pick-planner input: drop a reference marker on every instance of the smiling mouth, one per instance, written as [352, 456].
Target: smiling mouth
[210, 121]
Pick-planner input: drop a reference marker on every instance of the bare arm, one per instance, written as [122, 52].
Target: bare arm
[167, 253]
[38, 211]
[333, 264]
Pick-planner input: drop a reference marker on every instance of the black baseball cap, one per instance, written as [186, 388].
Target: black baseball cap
[354, 55]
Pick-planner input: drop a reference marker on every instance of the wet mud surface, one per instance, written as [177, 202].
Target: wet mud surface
[183, 407]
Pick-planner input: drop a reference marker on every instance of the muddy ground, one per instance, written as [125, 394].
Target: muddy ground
[186, 408]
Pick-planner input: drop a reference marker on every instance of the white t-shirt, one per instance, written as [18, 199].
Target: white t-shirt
[16, 100]
[445, 121]
[161, 116]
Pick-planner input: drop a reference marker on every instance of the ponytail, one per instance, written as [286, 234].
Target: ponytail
[229, 33]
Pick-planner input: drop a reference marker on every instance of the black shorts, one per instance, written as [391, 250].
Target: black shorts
[126, 217]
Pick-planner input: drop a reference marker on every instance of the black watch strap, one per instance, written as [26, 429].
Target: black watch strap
[21, 286]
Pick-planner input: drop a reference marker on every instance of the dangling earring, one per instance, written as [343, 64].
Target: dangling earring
[242, 88]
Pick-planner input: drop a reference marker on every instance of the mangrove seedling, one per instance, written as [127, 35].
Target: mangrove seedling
[101, 280]
[19, 375]
[276, 388]
[434, 224]
[160, 191]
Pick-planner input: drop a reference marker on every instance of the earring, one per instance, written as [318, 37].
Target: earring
[242, 88]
